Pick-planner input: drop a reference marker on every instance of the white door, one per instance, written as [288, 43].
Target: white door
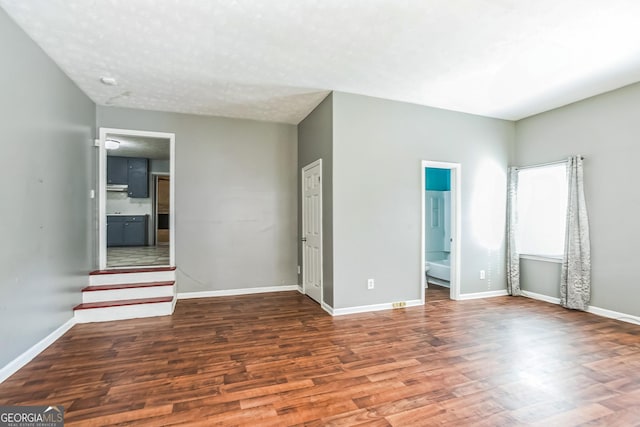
[312, 230]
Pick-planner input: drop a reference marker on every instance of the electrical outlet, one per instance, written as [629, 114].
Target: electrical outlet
[370, 284]
[482, 275]
[399, 304]
[299, 270]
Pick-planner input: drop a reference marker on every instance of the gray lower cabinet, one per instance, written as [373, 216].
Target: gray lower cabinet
[115, 231]
[126, 230]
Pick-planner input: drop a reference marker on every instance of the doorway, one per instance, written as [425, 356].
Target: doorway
[312, 230]
[130, 215]
[441, 223]
[162, 184]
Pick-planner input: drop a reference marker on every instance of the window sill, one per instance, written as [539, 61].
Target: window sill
[544, 258]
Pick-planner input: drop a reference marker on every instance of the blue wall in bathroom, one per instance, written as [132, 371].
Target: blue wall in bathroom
[437, 179]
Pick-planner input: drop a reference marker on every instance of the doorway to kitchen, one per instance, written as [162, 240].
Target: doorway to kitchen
[136, 204]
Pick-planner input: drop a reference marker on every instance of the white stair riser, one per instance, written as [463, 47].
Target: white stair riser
[130, 293]
[119, 279]
[107, 314]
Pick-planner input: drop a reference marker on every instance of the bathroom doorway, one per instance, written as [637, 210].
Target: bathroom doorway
[441, 221]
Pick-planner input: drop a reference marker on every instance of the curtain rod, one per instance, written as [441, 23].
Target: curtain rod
[557, 162]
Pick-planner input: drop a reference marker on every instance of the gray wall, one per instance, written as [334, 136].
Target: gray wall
[541, 277]
[605, 129]
[235, 197]
[47, 130]
[160, 166]
[378, 147]
[315, 141]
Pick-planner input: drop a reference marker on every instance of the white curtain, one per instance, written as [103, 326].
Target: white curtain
[513, 257]
[575, 279]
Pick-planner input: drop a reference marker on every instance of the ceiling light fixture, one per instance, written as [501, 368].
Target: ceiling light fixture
[111, 144]
[109, 81]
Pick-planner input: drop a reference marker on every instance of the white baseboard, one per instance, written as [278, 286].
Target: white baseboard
[326, 307]
[487, 294]
[623, 317]
[616, 315]
[367, 308]
[232, 292]
[175, 297]
[17, 363]
[540, 297]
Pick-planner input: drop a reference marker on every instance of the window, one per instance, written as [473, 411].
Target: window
[541, 209]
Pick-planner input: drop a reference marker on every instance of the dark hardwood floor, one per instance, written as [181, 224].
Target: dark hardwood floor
[278, 359]
[437, 293]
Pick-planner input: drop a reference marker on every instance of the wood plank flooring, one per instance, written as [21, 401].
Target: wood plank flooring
[279, 360]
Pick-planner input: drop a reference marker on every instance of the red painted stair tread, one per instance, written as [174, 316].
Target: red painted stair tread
[125, 286]
[131, 270]
[89, 305]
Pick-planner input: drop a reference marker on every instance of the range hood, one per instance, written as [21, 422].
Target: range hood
[117, 187]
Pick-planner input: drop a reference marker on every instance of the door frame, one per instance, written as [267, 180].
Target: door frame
[456, 225]
[304, 282]
[154, 220]
[102, 189]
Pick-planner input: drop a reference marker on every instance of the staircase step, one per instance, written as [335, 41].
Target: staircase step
[120, 303]
[125, 286]
[123, 309]
[131, 290]
[130, 270]
[131, 275]
[127, 293]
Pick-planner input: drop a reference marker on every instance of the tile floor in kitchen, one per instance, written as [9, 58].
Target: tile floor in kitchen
[130, 256]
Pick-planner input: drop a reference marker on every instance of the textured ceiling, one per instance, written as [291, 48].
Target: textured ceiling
[140, 146]
[275, 60]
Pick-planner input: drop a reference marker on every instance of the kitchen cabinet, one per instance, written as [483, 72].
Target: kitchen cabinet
[130, 171]
[126, 230]
[115, 230]
[138, 178]
[117, 170]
